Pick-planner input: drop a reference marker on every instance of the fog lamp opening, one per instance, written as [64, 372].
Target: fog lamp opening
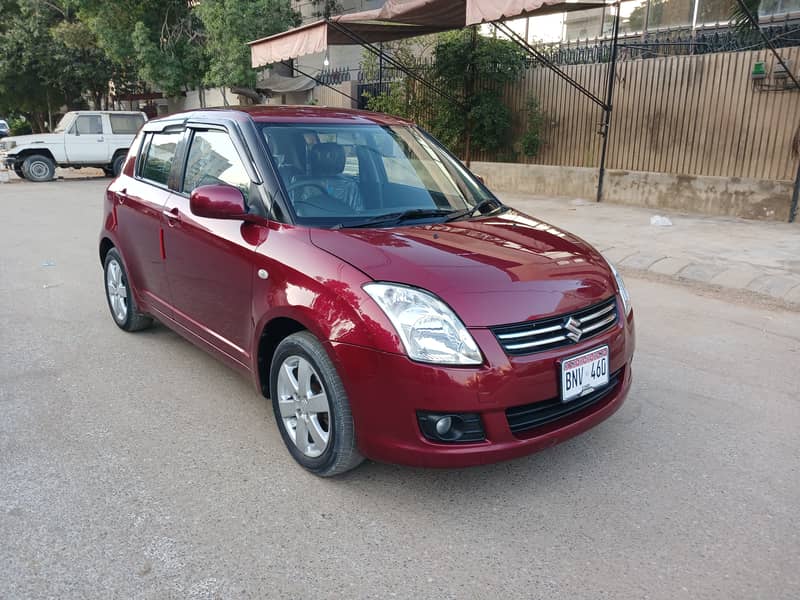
[451, 427]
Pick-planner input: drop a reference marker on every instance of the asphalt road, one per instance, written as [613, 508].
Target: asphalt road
[135, 466]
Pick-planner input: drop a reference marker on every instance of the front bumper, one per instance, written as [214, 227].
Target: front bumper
[8, 161]
[387, 390]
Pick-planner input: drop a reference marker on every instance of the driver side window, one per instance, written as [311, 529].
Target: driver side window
[213, 160]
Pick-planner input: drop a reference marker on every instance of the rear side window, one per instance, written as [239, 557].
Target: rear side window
[88, 125]
[125, 124]
[213, 160]
[160, 154]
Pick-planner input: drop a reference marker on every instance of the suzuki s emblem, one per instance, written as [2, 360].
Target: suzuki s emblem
[573, 327]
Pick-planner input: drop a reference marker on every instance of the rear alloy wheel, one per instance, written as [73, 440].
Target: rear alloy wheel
[120, 299]
[39, 168]
[311, 407]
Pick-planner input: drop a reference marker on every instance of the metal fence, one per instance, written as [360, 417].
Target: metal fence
[690, 115]
[700, 114]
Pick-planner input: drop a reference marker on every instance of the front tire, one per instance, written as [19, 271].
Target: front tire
[38, 167]
[119, 296]
[18, 171]
[311, 407]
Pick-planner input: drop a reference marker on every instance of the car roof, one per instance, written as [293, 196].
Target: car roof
[106, 112]
[320, 115]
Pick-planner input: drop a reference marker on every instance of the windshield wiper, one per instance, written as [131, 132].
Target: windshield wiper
[397, 217]
[466, 214]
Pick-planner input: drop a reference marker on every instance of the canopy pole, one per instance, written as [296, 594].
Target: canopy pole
[607, 108]
[515, 37]
[469, 92]
[795, 194]
[392, 61]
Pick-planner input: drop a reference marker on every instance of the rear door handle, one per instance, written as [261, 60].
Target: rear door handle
[173, 216]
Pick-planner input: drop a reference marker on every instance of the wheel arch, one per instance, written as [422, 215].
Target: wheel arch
[105, 245]
[273, 333]
[117, 153]
[44, 151]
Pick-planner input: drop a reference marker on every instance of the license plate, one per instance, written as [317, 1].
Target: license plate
[582, 374]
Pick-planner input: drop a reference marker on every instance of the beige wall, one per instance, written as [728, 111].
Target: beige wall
[724, 196]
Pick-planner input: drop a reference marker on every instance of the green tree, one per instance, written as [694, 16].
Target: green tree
[158, 41]
[532, 139]
[474, 68]
[229, 25]
[42, 67]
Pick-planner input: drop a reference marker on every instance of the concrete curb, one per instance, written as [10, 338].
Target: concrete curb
[782, 287]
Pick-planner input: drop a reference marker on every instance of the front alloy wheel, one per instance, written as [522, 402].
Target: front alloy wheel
[311, 407]
[303, 406]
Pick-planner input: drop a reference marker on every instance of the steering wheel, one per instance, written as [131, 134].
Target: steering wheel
[303, 184]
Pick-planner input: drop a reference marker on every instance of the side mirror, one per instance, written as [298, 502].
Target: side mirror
[218, 202]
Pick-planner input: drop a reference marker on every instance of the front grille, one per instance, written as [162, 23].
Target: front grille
[530, 416]
[554, 332]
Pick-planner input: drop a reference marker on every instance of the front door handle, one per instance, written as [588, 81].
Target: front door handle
[100, 139]
[173, 216]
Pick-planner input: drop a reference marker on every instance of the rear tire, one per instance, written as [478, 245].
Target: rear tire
[311, 407]
[116, 166]
[39, 168]
[119, 295]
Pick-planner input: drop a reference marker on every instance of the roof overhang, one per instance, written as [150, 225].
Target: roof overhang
[400, 19]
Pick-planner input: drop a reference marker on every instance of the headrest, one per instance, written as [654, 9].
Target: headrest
[326, 159]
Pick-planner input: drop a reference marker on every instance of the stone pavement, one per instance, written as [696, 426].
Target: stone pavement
[760, 257]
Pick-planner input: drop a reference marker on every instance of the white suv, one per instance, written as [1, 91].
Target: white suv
[81, 139]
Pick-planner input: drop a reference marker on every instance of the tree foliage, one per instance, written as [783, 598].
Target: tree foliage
[47, 59]
[472, 70]
[532, 139]
[229, 25]
[57, 52]
[475, 68]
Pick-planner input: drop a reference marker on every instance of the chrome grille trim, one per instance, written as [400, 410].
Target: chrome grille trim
[514, 336]
[554, 332]
[596, 314]
[551, 340]
[599, 324]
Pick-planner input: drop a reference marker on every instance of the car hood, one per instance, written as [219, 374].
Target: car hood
[491, 270]
[37, 138]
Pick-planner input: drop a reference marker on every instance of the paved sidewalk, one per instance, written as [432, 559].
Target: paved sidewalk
[756, 256]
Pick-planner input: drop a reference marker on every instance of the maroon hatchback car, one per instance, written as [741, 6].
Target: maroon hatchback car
[371, 286]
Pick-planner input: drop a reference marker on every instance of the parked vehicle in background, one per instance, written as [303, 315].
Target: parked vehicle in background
[384, 299]
[81, 139]
[4, 130]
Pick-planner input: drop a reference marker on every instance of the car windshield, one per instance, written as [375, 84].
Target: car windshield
[64, 123]
[369, 175]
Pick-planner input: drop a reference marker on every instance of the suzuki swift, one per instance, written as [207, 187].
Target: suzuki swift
[389, 305]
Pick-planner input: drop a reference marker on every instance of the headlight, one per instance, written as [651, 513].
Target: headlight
[7, 145]
[623, 292]
[430, 331]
